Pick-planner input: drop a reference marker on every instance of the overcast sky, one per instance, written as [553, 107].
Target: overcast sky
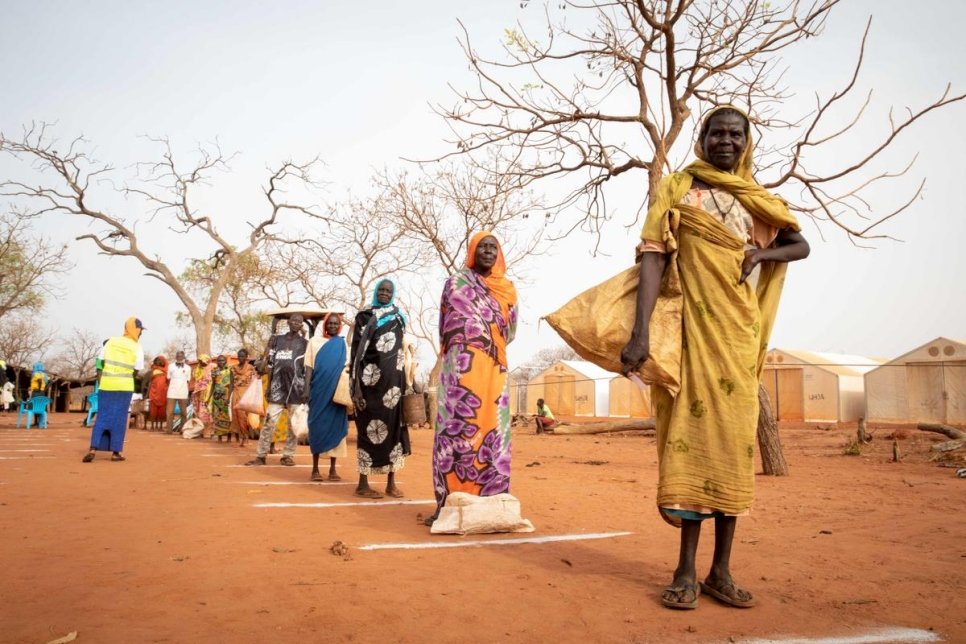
[352, 81]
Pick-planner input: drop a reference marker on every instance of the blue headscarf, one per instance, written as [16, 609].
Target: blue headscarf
[387, 317]
[38, 367]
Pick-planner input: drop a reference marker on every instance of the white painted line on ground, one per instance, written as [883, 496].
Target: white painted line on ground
[881, 635]
[495, 542]
[340, 505]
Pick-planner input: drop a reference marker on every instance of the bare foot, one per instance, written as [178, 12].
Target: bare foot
[333, 476]
[368, 493]
[316, 476]
[394, 492]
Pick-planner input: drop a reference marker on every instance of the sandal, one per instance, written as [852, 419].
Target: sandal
[317, 477]
[117, 457]
[368, 494]
[729, 599]
[334, 477]
[258, 460]
[287, 460]
[395, 493]
[88, 457]
[680, 590]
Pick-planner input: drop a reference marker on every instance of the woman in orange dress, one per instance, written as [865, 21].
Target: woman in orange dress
[158, 393]
[242, 375]
[477, 319]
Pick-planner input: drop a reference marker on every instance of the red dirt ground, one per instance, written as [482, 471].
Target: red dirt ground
[167, 547]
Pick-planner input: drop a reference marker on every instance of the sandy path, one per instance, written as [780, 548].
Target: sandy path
[168, 547]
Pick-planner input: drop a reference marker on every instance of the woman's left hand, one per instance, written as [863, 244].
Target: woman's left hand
[751, 260]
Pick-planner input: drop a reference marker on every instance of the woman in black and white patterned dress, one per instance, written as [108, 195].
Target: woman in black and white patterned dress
[378, 384]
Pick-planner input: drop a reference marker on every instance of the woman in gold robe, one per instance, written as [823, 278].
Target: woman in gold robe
[714, 249]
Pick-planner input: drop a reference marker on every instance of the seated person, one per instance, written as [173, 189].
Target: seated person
[545, 419]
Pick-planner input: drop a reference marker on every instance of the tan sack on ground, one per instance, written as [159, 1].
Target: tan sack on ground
[597, 324]
[469, 514]
[192, 429]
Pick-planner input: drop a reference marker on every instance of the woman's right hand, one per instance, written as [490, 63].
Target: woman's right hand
[635, 353]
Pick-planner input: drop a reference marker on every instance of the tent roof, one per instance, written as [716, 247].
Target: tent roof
[842, 364]
[588, 369]
[959, 343]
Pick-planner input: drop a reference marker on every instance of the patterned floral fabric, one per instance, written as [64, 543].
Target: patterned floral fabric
[241, 377]
[379, 379]
[471, 450]
[220, 397]
[199, 396]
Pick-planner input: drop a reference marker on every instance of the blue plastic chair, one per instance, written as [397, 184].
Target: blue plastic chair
[92, 408]
[36, 406]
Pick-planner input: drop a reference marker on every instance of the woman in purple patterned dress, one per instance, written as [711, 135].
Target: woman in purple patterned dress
[477, 319]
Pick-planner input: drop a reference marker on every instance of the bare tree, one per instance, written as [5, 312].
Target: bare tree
[591, 104]
[23, 341]
[544, 358]
[77, 358]
[29, 265]
[167, 188]
[438, 210]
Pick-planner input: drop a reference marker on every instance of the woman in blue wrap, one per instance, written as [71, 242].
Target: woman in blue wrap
[325, 361]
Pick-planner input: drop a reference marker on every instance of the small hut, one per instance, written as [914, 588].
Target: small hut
[571, 388]
[925, 385]
[816, 386]
[628, 399]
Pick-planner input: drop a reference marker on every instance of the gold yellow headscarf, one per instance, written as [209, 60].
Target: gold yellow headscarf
[741, 183]
[133, 328]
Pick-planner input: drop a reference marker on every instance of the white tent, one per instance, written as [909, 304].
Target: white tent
[927, 384]
[816, 386]
[571, 388]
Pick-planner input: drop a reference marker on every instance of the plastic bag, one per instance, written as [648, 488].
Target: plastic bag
[469, 514]
[253, 400]
[299, 422]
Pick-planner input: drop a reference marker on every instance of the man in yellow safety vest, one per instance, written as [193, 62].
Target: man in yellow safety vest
[121, 358]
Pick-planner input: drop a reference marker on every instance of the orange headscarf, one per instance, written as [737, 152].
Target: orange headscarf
[500, 287]
[325, 333]
[133, 328]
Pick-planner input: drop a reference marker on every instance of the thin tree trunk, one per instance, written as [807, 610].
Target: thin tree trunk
[769, 442]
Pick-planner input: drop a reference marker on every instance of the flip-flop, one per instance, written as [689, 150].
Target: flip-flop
[335, 477]
[370, 494]
[725, 599]
[317, 478]
[88, 457]
[117, 457]
[683, 605]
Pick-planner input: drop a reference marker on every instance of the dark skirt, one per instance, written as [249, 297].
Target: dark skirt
[110, 424]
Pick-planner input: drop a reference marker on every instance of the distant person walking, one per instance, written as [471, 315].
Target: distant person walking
[286, 388]
[179, 375]
[122, 359]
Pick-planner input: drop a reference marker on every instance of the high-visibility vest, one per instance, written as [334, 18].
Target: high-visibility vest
[120, 356]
